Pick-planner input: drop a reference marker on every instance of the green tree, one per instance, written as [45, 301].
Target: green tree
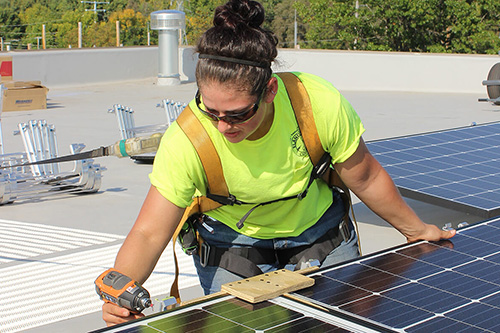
[34, 18]
[331, 23]
[454, 26]
[10, 24]
[115, 6]
[283, 23]
[67, 31]
[457, 26]
[132, 27]
[199, 17]
[473, 26]
[403, 25]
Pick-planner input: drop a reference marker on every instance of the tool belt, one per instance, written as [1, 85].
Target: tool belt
[243, 261]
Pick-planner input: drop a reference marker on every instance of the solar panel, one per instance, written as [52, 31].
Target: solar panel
[446, 286]
[229, 314]
[457, 168]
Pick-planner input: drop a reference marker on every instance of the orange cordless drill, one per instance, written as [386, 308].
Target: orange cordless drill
[115, 287]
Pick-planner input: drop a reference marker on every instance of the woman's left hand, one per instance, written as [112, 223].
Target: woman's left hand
[430, 233]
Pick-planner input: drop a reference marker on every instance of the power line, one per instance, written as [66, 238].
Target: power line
[28, 24]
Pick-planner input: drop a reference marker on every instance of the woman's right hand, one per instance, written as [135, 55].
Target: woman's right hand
[113, 314]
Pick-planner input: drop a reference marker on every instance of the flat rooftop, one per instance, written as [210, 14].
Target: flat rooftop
[52, 290]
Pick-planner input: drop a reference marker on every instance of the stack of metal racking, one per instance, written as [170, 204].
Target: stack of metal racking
[36, 181]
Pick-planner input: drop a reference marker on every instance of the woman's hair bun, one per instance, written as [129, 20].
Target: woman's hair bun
[237, 48]
[237, 14]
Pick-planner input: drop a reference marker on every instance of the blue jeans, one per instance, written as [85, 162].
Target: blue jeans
[213, 277]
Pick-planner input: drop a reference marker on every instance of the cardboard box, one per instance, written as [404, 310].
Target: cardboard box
[23, 95]
[6, 68]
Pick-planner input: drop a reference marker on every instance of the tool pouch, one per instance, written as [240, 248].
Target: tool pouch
[187, 238]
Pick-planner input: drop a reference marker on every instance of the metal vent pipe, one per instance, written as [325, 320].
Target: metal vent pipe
[168, 23]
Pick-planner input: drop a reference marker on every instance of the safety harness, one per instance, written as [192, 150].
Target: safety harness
[218, 193]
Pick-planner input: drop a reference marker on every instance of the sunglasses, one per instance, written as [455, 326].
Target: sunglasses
[232, 119]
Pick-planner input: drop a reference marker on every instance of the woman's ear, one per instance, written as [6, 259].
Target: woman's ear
[272, 89]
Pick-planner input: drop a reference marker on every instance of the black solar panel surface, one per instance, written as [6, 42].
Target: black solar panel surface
[457, 168]
[448, 286]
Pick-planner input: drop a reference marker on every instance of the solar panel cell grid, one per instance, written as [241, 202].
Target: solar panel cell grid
[307, 325]
[458, 168]
[426, 298]
[437, 324]
[196, 320]
[236, 316]
[139, 329]
[386, 311]
[334, 293]
[259, 316]
[478, 315]
[447, 286]
[481, 269]
[493, 300]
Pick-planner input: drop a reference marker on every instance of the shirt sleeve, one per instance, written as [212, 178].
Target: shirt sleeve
[176, 168]
[339, 126]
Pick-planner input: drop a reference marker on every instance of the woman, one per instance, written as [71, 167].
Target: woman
[247, 114]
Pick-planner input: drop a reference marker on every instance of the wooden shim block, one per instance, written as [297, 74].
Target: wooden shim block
[267, 286]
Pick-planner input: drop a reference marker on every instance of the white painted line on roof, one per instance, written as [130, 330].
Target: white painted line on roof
[41, 292]
[22, 240]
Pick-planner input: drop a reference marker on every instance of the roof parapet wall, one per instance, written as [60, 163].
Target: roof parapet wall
[347, 70]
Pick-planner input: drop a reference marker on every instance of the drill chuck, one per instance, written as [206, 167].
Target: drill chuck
[115, 287]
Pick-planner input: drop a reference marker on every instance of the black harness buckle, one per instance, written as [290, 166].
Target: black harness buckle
[317, 172]
[227, 201]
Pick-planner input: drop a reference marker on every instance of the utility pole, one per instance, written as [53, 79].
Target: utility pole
[180, 5]
[44, 41]
[95, 10]
[149, 35]
[38, 42]
[295, 30]
[79, 35]
[356, 15]
[117, 33]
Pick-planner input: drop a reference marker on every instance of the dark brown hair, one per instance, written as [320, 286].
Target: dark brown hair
[237, 33]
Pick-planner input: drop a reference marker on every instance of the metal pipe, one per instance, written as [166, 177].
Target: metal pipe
[168, 23]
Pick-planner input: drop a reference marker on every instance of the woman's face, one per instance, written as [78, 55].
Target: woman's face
[222, 100]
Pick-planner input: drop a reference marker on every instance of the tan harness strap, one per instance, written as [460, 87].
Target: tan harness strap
[210, 160]
[304, 115]
[205, 148]
[301, 104]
